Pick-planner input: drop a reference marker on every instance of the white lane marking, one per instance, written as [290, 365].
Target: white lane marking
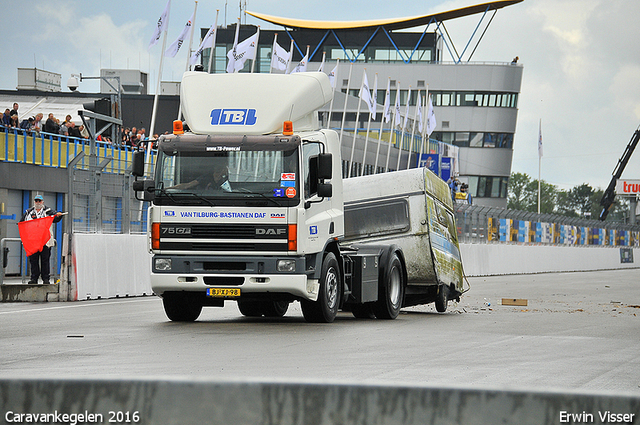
[80, 305]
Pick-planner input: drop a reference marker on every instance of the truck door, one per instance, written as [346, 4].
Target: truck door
[316, 221]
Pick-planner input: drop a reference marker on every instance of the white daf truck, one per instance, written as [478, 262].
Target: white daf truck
[249, 205]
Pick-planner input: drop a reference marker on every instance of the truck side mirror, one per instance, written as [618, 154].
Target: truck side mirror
[325, 190]
[147, 187]
[137, 167]
[325, 161]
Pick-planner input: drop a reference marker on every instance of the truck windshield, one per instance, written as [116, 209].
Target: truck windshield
[232, 177]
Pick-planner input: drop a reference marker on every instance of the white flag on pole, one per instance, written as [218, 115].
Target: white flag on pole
[241, 53]
[172, 51]
[322, 63]
[387, 103]
[365, 93]
[396, 110]
[302, 65]
[431, 118]
[420, 126]
[232, 59]
[406, 111]
[373, 104]
[540, 139]
[279, 57]
[161, 26]
[332, 76]
[207, 41]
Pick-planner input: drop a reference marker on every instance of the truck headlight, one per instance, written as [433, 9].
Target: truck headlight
[286, 266]
[163, 264]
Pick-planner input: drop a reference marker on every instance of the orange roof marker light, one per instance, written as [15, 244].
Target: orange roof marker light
[177, 127]
[287, 128]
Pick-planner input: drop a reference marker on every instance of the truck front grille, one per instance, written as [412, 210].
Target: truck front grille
[211, 237]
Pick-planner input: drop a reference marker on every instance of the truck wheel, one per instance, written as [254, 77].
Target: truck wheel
[180, 307]
[442, 299]
[362, 311]
[390, 290]
[324, 310]
[275, 308]
[250, 308]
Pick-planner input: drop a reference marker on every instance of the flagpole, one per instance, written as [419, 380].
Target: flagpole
[539, 160]
[413, 132]
[355, 132]
[346, 97]
[406, 117]
[324, 54]
[155, 98]
[335, 83]
[424, 129]
[290, 57]
[273, 51]
[213, 44]
[375, 165]
[255, 53]
[233, 51]
[366, 139]
[391, 130]
[193, 28]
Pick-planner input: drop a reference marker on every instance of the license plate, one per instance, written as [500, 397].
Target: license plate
[223, 292]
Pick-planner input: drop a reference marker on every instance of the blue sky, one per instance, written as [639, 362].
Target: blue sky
[581, 61]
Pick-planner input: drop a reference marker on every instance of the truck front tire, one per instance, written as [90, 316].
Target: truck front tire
[325, 309]
[181, 307]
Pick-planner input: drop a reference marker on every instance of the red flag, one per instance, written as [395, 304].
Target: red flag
[35, 233]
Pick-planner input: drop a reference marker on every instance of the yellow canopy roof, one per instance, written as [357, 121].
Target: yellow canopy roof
[389, 23]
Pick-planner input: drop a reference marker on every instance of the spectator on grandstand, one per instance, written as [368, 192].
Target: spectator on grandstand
[141, 134]
[73, 130]
[51, 125]
[14, 111]
[6, 118]
[14, 121]
[84, 132]
[37, 123]
[133, 138]
[63, 129]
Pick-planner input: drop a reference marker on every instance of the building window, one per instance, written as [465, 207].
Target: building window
[487, 186]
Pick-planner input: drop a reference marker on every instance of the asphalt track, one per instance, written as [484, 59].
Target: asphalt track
[578, 331]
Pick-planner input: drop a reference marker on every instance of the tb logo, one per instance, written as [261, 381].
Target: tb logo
[233, 117]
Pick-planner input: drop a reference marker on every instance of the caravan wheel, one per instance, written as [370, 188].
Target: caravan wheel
[442, 299]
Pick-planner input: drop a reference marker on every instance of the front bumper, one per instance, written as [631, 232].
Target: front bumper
[249, 274]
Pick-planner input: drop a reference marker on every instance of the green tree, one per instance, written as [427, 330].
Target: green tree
[516, 195]
[523, 194]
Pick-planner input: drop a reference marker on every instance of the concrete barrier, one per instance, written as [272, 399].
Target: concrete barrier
[107, 266]
[502, 258]
[198, 402]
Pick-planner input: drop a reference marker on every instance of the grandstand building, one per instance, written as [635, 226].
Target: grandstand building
[475, 104]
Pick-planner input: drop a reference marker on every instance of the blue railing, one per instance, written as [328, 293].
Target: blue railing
[55, 150]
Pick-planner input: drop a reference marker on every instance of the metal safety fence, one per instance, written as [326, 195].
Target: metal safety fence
[481, 224]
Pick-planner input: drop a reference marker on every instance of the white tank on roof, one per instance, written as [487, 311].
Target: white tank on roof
[252, 103]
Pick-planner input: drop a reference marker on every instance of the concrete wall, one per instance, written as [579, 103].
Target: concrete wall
[501, 258]
[168, 402]
[108, 266]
